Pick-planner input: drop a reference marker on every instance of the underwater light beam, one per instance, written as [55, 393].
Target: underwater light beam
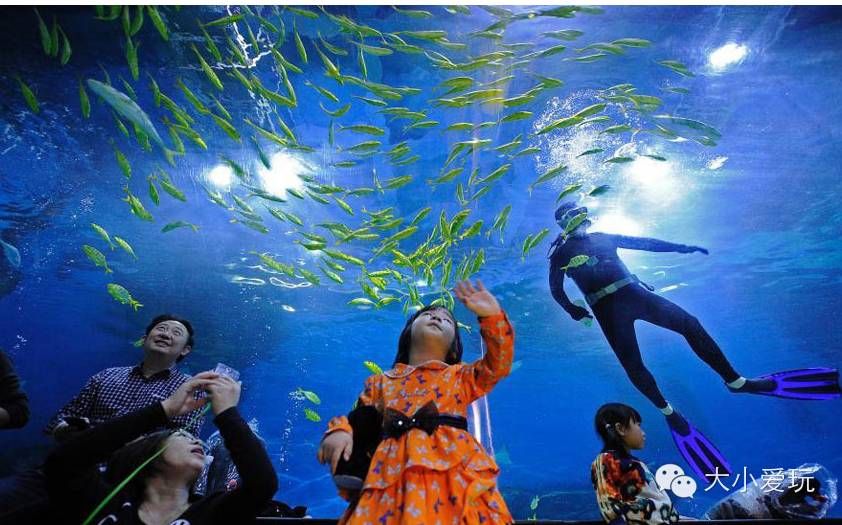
[655, 179]
[616, 223]
[220, 176]
[727, 55]
[283, 175]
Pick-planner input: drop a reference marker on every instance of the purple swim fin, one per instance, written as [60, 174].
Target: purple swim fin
[697, 450]
[815, 384]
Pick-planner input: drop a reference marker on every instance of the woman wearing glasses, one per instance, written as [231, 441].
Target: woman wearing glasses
[160, 468]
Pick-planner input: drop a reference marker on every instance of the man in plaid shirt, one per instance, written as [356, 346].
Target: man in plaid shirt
[110, 393]
[118, 391]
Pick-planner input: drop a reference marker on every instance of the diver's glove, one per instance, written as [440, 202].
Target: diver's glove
[578, 313]
[685, 248]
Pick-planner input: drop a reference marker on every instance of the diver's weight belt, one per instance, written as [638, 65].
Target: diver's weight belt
[595, 297]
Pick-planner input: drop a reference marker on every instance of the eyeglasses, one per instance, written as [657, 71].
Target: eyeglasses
[190, 437]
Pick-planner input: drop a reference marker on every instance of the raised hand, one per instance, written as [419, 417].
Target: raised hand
[691, 249]
[183, 400]
[478, 300]
[224, 393]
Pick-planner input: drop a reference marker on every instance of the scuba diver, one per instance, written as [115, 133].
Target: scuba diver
[618, 299]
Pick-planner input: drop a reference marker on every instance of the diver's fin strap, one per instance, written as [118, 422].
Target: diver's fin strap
[614, 287]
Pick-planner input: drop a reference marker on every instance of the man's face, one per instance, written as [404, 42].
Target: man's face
[167, 338]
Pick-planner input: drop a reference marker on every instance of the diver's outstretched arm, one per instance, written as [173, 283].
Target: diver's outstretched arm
[654, 245]
[557, 289]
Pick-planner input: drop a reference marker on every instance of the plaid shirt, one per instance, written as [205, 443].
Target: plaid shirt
[118, 391]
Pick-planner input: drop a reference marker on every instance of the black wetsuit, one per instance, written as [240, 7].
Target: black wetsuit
[617, 312]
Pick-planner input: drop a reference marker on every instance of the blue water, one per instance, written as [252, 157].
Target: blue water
[764, 201]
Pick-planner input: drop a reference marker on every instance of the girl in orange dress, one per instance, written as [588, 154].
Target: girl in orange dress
[429, 469]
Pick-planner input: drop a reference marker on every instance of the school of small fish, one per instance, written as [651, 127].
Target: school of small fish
[264, 54]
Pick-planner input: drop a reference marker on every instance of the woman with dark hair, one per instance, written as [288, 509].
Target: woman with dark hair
[626, 490]
[428, 468]
[165, 464]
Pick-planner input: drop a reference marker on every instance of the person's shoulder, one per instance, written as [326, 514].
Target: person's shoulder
[612, 455]
[5, 363]
[113, 371]
[557, 248]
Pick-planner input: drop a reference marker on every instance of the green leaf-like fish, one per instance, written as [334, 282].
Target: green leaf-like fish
[96, 257]
[324, 92]
[373, 50]
[331, 69]
[549, 175]
[559, 124]
[338, 113]
[576, 261]
[372, 367]
[618, 160]
[158, 22]
[473, 230]
[122, 243]
[225, 20]
[677, 66]
[131, 57]
[496, 174]
[299, 44]
[567, 191]
[153, 191]
[210, 45]
[364, 147]
[517, 115]
[122, 296]
[54, 42]
[532, 241]
[574, 223]
[214, 80]
[500, 220]
[564, 34]
[102, 233]
[599, 190]
[303, 12]
[309, 396]
[361, 301]
[448, 176]
[66, 50]
[137, 207]
[84, 101]
[341, 256]
[364, 128]
[227, 127]
[123, 162]
[28, 96]
[397, 182]
[344, 205]
[44, 32]
[126, 107]
[171, 189]
[590, 152]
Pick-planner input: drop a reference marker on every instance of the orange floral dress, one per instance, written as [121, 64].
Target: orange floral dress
[445, 477]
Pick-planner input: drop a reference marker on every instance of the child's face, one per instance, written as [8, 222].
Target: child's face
[435, 325]
[633, 435]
